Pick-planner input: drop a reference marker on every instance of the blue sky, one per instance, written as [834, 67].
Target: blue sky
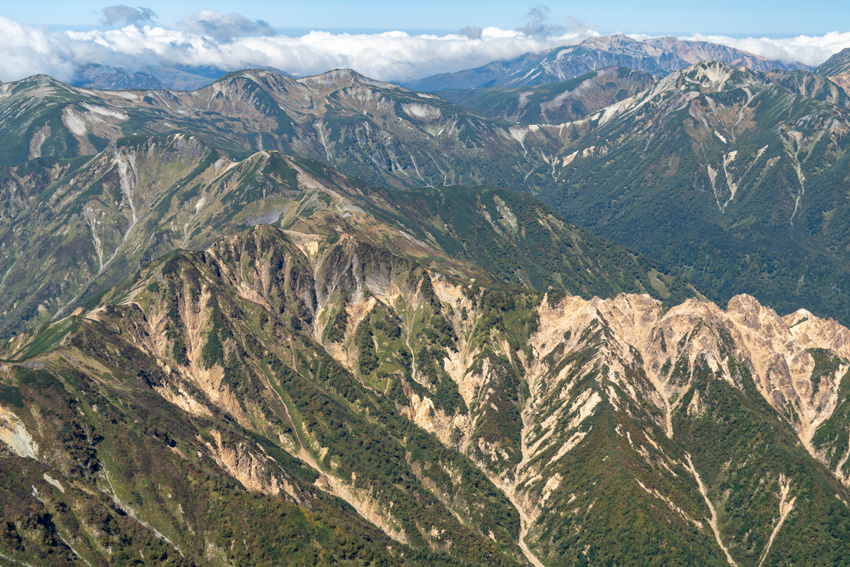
[676, 17]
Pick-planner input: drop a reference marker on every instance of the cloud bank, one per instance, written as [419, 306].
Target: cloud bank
[126, 15]
[225, 27]
[231, 41]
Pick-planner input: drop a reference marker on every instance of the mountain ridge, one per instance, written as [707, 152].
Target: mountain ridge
[837, 68]
[391, 136]
[244, 356]
[650, 426]
[555, 103]
[100, 219]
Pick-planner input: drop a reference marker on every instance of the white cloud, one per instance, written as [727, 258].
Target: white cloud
[225, 27]
[123, 14]
[394, 56]
[537, 23]
[810, 50]
[27, 50]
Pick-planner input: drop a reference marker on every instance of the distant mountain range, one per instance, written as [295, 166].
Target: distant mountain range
[733, 179]
[177, 77]
[554, 103]
[380, 132]
[657, 56]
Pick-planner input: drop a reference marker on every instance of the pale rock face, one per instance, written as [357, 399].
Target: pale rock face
[711, 75]
[246, 467]
[773, 350]
[433, 420]
[813, 332]
[781, 366]
[422, 111]
[14, 434]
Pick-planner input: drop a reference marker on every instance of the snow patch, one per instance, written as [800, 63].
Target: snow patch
[106, 112]
[74, 122]
[422, 111]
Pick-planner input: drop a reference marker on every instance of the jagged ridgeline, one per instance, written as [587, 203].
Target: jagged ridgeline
[837, 68]
[73, 228]
[292, 398]
[380, 132]
[236, 357]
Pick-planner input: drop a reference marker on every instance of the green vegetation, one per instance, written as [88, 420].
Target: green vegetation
[522, 243]
[554, 103]
[725, 216]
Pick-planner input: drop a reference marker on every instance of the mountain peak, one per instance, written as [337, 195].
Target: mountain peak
[35, 85]
[343, 78]
[39, 80]
[611, 41]
[260, 76]
[838, 64]
[715, 76]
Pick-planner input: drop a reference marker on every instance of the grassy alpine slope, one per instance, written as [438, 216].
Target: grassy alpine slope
[76, 227]
[730, 180]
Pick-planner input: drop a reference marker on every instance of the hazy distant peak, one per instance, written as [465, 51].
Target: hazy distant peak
[838, 64]
[659, 56]
[343, 78]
